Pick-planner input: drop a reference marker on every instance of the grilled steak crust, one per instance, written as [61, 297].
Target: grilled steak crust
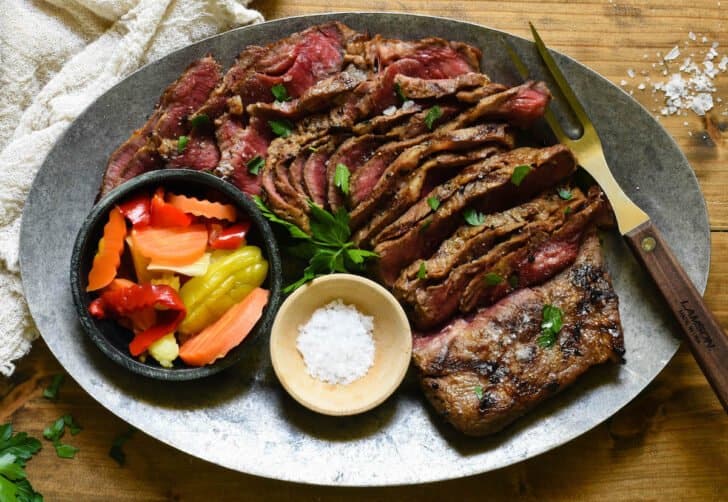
[485, 186]
[483, 371]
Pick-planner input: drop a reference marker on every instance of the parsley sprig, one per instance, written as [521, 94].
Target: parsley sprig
[328, 248]
[15, 450]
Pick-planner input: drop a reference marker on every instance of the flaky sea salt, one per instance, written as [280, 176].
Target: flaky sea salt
[673, 54]
[337, 343]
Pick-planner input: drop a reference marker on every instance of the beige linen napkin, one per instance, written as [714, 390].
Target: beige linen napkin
[57, 56]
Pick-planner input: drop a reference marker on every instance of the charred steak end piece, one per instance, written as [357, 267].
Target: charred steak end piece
[483, 371]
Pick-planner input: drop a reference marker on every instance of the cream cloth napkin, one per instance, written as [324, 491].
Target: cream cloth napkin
[57, 56]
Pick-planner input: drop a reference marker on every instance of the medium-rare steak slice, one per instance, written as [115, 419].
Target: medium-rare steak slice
[498, 260]
[443, 58]
[485, 187]
[138, 154]
[413, 187]
[483, 371]
[239, 144]
[352, 153]
[546, 252]
[420, 88]
[370, 187]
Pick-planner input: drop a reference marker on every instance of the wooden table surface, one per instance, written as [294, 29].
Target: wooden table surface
[670, 443]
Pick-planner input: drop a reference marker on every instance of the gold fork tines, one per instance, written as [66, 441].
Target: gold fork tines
[587, 148]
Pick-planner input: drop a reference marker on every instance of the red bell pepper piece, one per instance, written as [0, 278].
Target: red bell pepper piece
[137, 210]
[164, 214]
[231, 237]
[126, 301]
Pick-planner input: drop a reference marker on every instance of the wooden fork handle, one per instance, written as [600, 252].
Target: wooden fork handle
[706, 338]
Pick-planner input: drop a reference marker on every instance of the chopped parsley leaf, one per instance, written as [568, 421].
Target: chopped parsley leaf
[51, 392]
[553, 319]
[282, 128]
[519, 173]
[341, 178]
[65, 450]
[493, 279]
[513, 281]
[182, 143]
[473, 217]
[200, 120]
[565, 193]
[398, 91]
[567, 210]
[433, 202]
[422, 272]
[280, 92]
[425, 224]
[255, 164]
[116, 451]
[312, 148]
[54, 433]
[433, 114]
[478, 390]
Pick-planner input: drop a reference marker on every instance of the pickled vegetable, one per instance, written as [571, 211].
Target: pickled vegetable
[229, 278]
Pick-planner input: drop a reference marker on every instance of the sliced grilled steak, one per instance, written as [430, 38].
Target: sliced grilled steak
[443, 59]
[320, 96]
[354, 153]
[279, 204]
[483, 371]
[520, 105]
[413, 187]
[546, 251]
[199, 153]
[420, 88]
[138, 154]
[238, 145]
[385, 122]
[471, 251]
[485, 187]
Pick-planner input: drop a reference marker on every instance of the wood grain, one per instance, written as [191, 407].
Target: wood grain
[670, 443]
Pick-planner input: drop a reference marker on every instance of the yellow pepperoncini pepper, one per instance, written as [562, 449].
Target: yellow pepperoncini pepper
[229, 278]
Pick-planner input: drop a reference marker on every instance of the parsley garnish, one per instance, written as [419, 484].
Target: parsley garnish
[280, 93]
[255, 164]
[519, 173]
[51, 392]
[54, 433]
[422, 272]
[433, 114]
[182, 143]
[433, 202]
[281, 128]
[550, 325]
[473, 217]
[513, 281]
[425, 224]
[567, 210]
[328, 248]
[200, 120]
[493, 279]
[478, 389]
[341, 178]
[15, 451]
[398, 91]
[117, 452]
[565, 193]
[312, 149]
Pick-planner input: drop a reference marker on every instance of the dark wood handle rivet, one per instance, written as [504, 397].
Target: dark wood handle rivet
[648, 244]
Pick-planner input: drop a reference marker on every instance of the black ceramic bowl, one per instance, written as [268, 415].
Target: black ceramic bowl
[112, 338]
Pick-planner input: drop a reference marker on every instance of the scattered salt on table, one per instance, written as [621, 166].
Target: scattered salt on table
[337, 343]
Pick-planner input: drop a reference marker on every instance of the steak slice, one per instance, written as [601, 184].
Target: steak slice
[138, 154]
[413, 187]
[483, 371]
[354, 153]
[421, 88]
[485, 187]
[434, 298]
[372, 185]
[442, 58]
[316, 98]
[239, 144]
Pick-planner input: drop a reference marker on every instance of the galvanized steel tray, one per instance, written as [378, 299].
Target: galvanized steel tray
[242, 419]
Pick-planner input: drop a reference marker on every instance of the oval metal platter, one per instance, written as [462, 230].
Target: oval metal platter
[243, 419]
